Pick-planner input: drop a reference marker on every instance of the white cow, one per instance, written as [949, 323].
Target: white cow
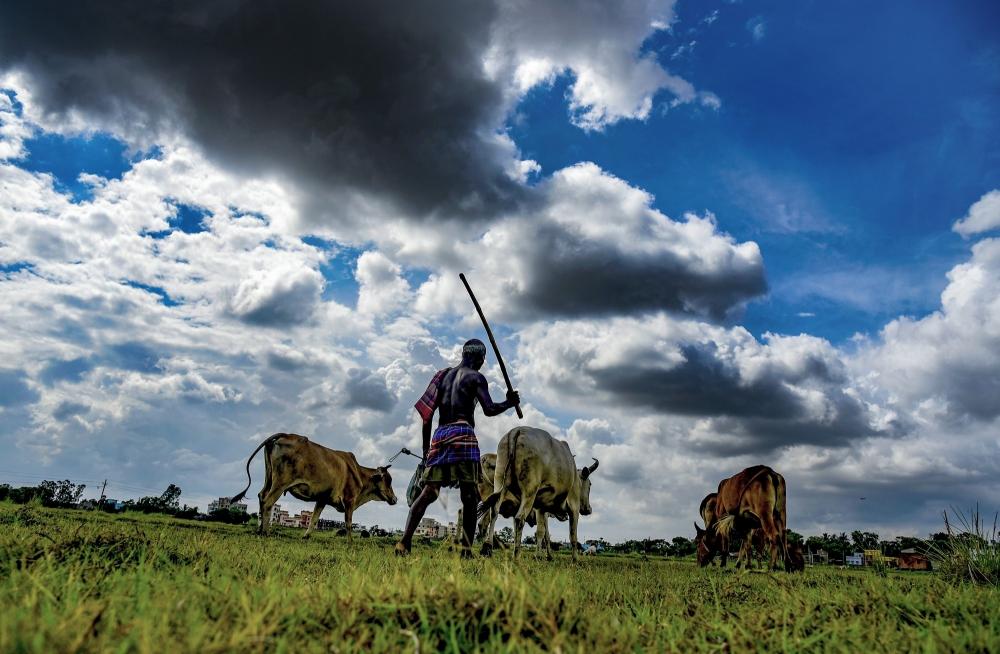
[537, 473]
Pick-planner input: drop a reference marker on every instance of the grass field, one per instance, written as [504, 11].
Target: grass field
[74, 581]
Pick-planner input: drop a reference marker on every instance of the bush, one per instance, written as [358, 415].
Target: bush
[970, 552]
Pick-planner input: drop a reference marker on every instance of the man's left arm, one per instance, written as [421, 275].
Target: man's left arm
[491, 408]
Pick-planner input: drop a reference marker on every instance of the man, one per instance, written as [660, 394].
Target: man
[451, 457]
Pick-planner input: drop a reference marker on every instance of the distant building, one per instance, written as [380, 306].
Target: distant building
[428, 528]
[282, 518]
[304, 518]
[910, 559]
[431, 528]
[226, 503]
[818, 557]
[856, 559]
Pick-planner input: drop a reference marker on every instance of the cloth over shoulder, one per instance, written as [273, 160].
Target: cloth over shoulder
[428, 402]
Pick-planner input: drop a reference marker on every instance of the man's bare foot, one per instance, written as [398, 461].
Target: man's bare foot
[402, 550]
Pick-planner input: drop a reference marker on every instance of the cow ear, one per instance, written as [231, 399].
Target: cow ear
[386, 467]
[698, 530]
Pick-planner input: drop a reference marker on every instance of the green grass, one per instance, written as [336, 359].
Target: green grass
[75, 581]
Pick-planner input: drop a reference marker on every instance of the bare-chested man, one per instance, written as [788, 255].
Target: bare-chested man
[452, 456]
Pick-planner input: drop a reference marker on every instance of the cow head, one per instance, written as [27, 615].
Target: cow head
[796, 561]
[585, 473]
[381, 483]
[705, 545]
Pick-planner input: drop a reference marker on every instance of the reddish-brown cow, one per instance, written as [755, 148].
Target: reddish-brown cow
[752, 499]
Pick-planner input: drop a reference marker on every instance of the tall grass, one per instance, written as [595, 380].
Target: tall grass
[972, 551]
[73, 581]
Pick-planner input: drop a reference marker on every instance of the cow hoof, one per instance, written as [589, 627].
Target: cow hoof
[487, 550]
[466, 554]
[402, 550]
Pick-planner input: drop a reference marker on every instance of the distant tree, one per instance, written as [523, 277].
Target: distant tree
[529, 539]
[187, 512]
[169, 500]
[681, 546]
[4, 492]
[864, 540]
[506, 535]
[793, 536]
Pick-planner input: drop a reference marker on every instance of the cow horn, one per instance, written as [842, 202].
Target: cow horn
[387, 467]
[594, 467]
[589, 469]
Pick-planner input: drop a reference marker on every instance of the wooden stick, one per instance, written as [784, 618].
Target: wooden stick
[493, 341]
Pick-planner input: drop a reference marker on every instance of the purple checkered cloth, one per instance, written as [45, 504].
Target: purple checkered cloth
[428, 401]
[453, 444]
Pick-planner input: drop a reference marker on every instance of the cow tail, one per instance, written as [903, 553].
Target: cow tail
[243, 493]
[487, 505]
[780, 512]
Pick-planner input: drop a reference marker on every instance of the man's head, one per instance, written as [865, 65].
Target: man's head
[474, 353]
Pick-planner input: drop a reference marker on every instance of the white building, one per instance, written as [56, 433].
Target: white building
[226, 503]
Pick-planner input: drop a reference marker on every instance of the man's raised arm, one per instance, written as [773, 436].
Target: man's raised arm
[491, 408]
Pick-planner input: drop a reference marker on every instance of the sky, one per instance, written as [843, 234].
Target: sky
[708, 235]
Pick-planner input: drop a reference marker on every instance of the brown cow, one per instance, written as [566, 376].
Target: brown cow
[313, 473]
[754, 498]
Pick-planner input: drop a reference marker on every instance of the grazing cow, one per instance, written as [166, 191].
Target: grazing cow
[535, 473]
[313, 473]
[754, 498]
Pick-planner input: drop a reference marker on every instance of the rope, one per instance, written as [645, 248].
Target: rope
[402, 451]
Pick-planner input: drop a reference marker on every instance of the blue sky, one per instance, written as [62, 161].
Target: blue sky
[850, 138]
[190, 270]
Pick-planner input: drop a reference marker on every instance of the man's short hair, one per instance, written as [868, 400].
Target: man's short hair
[474, 346]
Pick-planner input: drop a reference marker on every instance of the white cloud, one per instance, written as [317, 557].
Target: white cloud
[757, 27]
[983, 216]
[599, 45]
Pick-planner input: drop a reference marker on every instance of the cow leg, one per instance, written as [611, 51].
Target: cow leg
[348, 513]
[527, 506]
[771, 537]
[487, 548]
[574, 518]
[267, 501]
[542, 535]
[314, 519]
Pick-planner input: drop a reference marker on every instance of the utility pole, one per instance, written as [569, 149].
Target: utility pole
[100, 500]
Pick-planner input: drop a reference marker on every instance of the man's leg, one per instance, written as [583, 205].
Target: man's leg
[424, 500]
[470, 505]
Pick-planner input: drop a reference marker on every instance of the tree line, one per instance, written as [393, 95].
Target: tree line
[65, 495]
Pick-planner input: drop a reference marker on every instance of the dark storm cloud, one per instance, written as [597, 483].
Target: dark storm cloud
[389, 100]
[750, 416]
[570, 276]
[366, 390]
